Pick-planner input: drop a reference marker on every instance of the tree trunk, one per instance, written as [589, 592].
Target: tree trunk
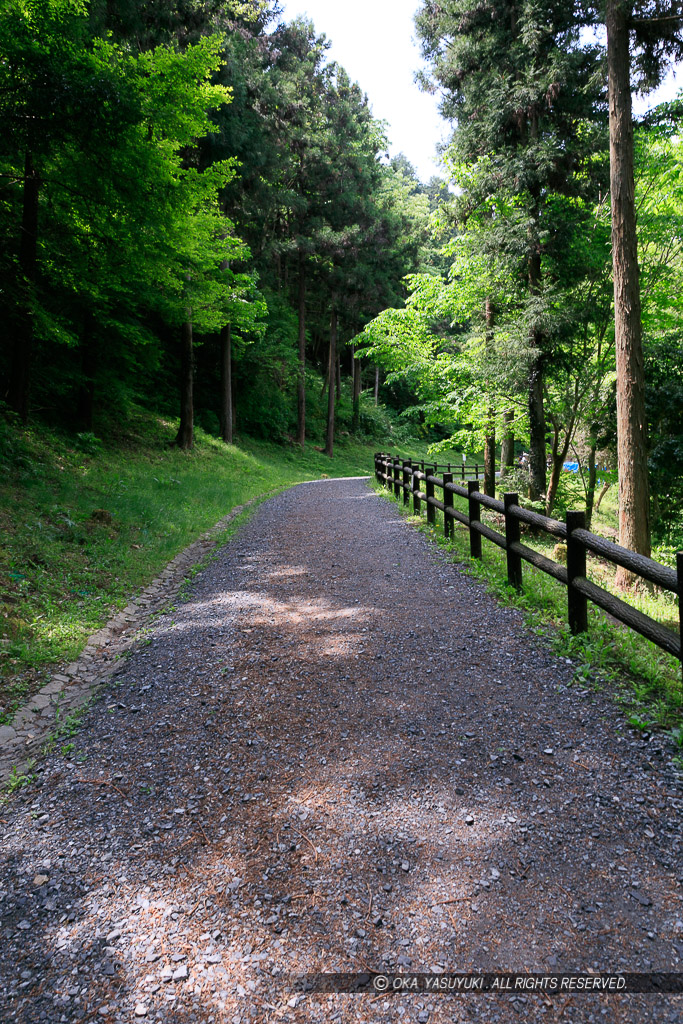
[634, 499]
[490, 439]
[20, 373]
[338, 377]
[86, 390]
[377, 385]
[489, 457]
[537, 456]
[555, 471]
[605, 488]
[356, 392]
[226, 384]
[507, 448]
[558, 457]
[332, 362]
[590, 490]
[185, 435]
[301, 378]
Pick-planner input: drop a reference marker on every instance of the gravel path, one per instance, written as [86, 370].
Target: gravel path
[338, 754]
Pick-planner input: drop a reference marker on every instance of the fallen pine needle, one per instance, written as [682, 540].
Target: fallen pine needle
[103, 782]
[450, 918]
[309, 841]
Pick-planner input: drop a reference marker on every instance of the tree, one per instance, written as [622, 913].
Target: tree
[659, 204]
[520, 87]
[656, 30]
[465, 364]
[40, 58]
[299, 131]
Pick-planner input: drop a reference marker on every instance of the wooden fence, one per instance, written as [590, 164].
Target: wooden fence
[406, 477]
[460, 470]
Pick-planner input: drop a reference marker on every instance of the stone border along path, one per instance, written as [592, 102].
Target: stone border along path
[72, 687]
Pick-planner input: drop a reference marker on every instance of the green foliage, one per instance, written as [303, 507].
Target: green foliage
[18, 780]
[659, 167]
[379, 424]
[190, 166]
[128, 230]
[521, 322]
[88, 443]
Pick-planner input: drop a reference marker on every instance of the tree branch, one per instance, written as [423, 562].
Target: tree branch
[651, 21]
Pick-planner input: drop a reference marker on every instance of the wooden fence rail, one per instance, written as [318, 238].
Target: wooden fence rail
[464, 470]
[405, 477]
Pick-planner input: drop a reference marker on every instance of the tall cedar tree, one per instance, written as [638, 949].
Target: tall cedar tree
[518, 86]
[290, 103]
[642, 38]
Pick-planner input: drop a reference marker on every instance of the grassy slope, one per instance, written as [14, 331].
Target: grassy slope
[83, 532]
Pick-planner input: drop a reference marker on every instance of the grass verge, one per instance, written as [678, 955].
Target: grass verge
[645, 680]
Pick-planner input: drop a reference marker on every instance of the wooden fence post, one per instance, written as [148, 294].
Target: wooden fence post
[474, 512]
[416, 488]
[448, 502]
[431, 511]
[397, 477]
[512, 536]
[387, 480]
[407, 473]
[577, 604]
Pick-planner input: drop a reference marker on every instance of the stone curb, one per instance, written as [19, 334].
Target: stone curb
[71, 687]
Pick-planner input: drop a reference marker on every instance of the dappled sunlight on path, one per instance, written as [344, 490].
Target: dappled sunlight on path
[338, 755]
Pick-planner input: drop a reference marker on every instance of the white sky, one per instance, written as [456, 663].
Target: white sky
[374, 41]
[667, 90]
